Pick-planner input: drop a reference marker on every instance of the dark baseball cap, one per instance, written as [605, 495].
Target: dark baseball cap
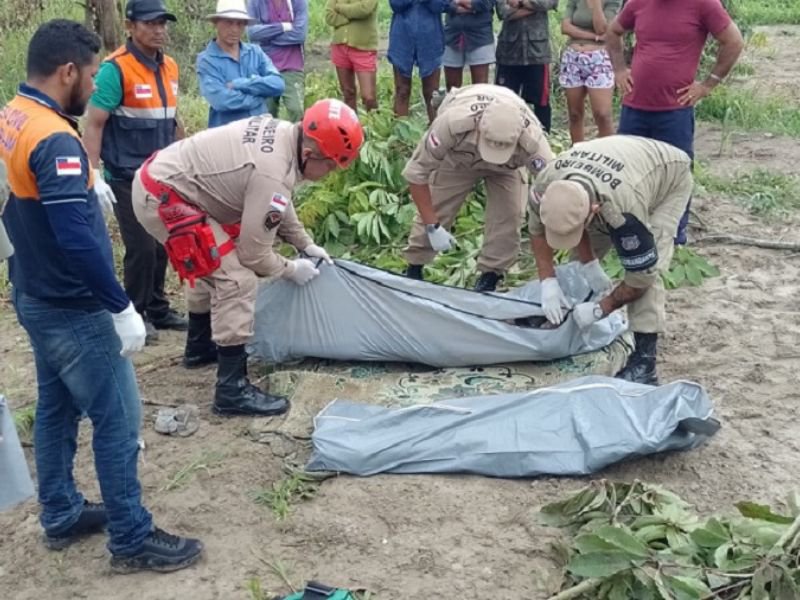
[147, 10]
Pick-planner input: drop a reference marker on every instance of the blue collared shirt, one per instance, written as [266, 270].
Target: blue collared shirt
[236, 89]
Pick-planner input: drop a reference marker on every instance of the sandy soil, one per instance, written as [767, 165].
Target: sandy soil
[441, 537]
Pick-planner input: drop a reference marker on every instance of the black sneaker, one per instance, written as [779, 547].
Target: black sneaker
[162, 552]
[93, 519]
[169, 320]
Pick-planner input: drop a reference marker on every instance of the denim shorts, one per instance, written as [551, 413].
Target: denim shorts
[591, 69]
[459, 57]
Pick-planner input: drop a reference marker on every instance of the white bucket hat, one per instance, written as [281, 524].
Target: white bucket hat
[231, 9]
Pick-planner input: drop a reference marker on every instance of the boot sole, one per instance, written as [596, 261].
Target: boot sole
[59, 544]
[122, 567]
[234, 412]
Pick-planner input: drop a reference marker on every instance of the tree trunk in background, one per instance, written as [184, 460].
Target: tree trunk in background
[102, 16]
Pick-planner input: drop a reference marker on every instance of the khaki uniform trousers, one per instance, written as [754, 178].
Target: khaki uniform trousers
[648, 313]
[505, 211]
[229, 293]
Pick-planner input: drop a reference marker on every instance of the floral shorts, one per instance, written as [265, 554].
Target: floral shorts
[591, 69]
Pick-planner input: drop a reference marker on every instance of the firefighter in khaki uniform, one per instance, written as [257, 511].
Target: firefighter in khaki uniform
[240, 173]
[622, 191]
[132, 114]
[483, 132]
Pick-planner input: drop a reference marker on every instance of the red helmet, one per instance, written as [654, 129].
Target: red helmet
[335, 128]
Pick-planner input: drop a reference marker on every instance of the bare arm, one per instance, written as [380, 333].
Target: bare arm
[180, 131]
[622, 75]
[620, 296]
[520, 13]
[576, 33]
[96, 119]
[614, 35]
[543, 253]
[584, 249]
[421, 195]
[730, 47]
[598, 18]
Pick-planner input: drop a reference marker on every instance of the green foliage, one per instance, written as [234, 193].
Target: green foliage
[24, 419]
[295, 487]
[763, 192]
[756, 12]
[750, 109]
[641, 541]
[204, 462]
[687, 268]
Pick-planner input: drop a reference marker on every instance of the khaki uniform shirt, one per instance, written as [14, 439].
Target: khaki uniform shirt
[452, 140]
[242, 172]
[628, 174]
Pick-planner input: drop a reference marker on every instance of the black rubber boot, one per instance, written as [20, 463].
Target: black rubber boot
[200, 350]
[641, 365]
[235, 395]
[162, 552]
[415, 272]
[488, 281]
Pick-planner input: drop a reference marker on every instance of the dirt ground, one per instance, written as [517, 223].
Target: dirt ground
[407, 537]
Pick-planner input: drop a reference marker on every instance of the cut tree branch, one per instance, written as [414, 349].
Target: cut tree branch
[741, 240]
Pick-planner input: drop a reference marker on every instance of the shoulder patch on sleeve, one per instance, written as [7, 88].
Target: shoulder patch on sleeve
[68, 165]
[279, 202]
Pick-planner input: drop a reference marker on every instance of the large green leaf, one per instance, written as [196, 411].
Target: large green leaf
[751, 510]
[686, 588]
[623, 540]
[601, 564]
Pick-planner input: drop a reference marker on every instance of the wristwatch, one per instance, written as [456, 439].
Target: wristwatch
[597, 312]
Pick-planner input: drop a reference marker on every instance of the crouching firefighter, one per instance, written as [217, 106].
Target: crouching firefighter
[217, 201]
[622, 191]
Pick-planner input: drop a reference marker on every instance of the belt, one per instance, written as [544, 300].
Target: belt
[165, 193]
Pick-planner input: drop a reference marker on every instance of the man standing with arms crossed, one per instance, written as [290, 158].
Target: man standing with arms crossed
[131, 115]
[80, 323]
[659, 91]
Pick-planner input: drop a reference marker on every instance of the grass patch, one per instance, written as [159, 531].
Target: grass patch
[294, 488]
[746, 109]
[24, 419]
[763, 192]
[758, 12]
[204, 462]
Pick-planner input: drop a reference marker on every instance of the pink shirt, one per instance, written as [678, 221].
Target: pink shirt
[670, 35]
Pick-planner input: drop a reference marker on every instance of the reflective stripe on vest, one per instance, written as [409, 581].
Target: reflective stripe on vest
[144, 122]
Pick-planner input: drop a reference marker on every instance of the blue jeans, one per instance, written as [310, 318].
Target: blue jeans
[674, 127]
[80, 371]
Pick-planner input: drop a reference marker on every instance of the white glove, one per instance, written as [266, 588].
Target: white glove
[287, 27]
[130, 328]
[318, 252]
[105, 195]
[303, 271]
[596, 277]
[552, 300]
[440, 238]
[587, 313]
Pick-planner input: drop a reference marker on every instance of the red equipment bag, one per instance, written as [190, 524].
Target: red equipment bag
[191, 247]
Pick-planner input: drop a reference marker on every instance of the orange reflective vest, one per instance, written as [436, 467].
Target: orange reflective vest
[144, 122]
